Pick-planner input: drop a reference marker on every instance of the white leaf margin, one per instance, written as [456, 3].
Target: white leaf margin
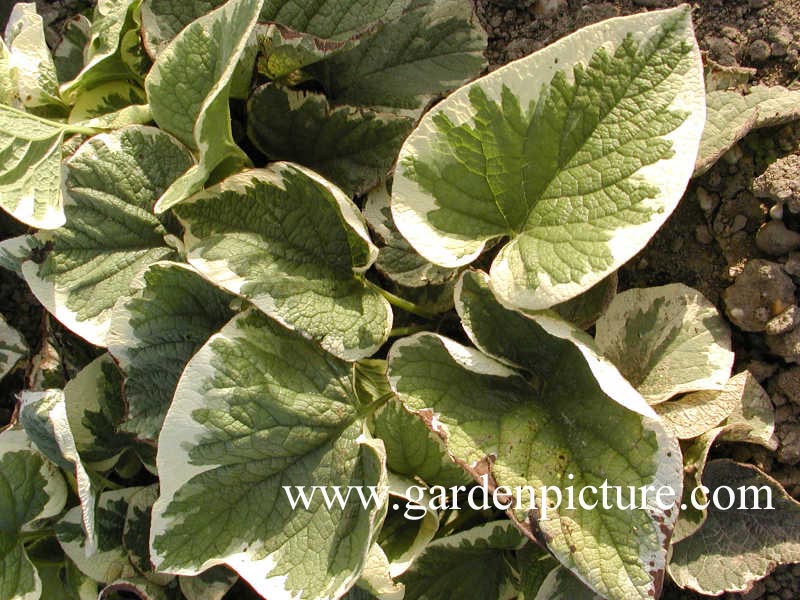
[525, 77]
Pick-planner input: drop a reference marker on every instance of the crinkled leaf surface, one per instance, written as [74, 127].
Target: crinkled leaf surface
[578, 153]
[732, 115]
[695, 413]
[162, 20]
[136, 534]
[397, 260]
[353, 148]
[295, 246]
[106, 98]
[103, 61]
[375, 581]
[735, 548]
[44, 417]
[31, 66]
[212, 584]
[112, 182]
[155, 333]
[413, 450]
[110, 561]
[259, 408]
[284, 51]
[560, 584]
[32, 489]
[751, 420]
[188, 89]
[95, 409]
[410, 525]
[566, 420]
[666, 340]
[432, 47]
[12, 347]
[30, 175]
[8, 89]
[331, 18]
[470, 564]
[533, 565]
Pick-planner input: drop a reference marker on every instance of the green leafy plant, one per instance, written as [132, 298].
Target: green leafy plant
[240, 204]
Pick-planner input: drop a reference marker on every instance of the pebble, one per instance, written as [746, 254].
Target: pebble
[786, 345]
[722, 50]
[758, 3]
[707, 200]
[785, 387]
[792, 265]
[780, 35]
[760, 51]
[783, 322]
[775, 239]
[739, 223]
[789, 448]
[779, 182]
[776, 211]
[761, 291]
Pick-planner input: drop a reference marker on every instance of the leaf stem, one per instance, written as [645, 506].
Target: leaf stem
[401, 303]
[66, 128]
[401, 331]
[39, 534]
[372, 407]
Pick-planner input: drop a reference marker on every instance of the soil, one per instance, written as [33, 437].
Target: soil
[718, 228]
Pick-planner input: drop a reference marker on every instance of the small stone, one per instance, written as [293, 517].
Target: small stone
[722, 50]
[785, 387]
[758, 3]
[783, 322]
[760, 51]
[786, 345]
[739, 223]
[731, 33]
[775, 239]
[780, 182]
[703, 235]
[789, 447]
[708, 201]
[778, 50]
[780, 34]
[792, 265]
[761, 291]
[776, 211]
